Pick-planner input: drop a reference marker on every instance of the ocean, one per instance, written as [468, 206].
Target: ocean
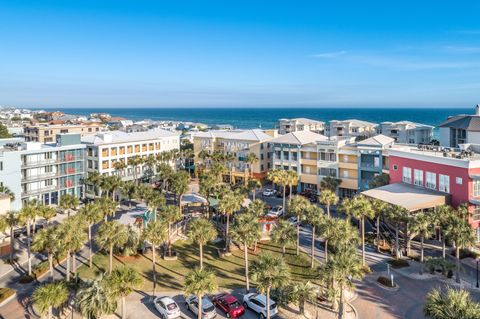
[266, 117]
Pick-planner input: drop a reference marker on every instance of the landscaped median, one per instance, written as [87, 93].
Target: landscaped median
[229, 270]
[6, 294]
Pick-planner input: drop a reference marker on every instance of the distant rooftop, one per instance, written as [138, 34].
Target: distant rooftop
[110, 137]
[377, 140]
[407, 123]
[244, 135]
[299, 138]
[303, 120]
[354, 122]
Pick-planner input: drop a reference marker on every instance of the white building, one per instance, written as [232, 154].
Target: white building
[351, 128]
[106, 148]
[286, 126]
[461, 129]
[407, 132]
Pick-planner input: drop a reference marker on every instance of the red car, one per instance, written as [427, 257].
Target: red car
[229, 304]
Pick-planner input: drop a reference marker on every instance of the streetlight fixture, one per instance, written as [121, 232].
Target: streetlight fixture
[477, 274]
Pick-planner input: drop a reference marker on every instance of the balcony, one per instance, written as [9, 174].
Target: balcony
[37, 177]
[348, 165]
[42, 190]
[39, 163]
[350, 183]
[370, 165]
[308, 161]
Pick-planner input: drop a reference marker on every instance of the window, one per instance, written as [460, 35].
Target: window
[418, 177]
[395, 167]
[431, 180]
[458, 180]
[444, 183]
[476, 212]
[476, 188]
[407, 175]
[328, 172]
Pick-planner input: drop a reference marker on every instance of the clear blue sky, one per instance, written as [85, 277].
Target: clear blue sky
[239, 53]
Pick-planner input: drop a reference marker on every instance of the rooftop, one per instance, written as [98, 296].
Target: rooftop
[303, 120]
[465, 122]
[408, 123]
[122, 137]
[299, 138]
[354, 122]
[377, 140]
[242, 135]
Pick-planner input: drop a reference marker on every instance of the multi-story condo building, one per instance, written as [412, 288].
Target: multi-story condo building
[298, 151]
[44, 172]
[348, 170]
[372, 158]
[286, 126]
[46, 133]
[461, 129]
[106, 148]
[351, 128]
[239, 143]
[407, 132]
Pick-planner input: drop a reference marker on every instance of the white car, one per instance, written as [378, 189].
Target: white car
[167, 307]
[208, 308]
[293, 220]
[257, 303]
[277, 211]
[269, 192]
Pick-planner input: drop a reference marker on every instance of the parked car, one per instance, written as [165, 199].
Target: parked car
[229, 304]
[208, 309]
[257, 303]
[269, 192]
[276, 211]
[167, 307]
[293, 220]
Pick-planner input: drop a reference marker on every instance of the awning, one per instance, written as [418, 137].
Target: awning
[408, 196]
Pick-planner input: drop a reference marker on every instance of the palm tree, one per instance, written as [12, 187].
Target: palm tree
[155, 233]
[111, 235]
[341, 269]
[72, 237]
[201, 231]
[93, 179]
[462, 235]
[253, 185]
[441, 215]
[273, 176]
[135, 161]
[380, 208]
[93, 299]
[229, 204]
[115, 183]
[292, 180]
[156, 201]
[129, 189]
[330, 183]
[269, 272]
[313, 216]
[91, 214]
[68, 203]
[48, 296]
[362, 208]
[120, 167]
[199, 282]
[26, 216]
[122, 282]
[107, 207]
[422, 226]
[170, 215]
[283, 179]
[283, 234]
[5, 190]
[257, 207]
[327, 198]
[180, 182]
[450, 304]
[297, 207]
[346, 207]
[47, 241]
[250, 160]
[12, 221]
[304, 291]
[396, 215]
[247, 231]
[46, 212]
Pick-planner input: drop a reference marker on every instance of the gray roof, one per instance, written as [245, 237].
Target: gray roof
[299, 138]
[100, 138]
[464, 122]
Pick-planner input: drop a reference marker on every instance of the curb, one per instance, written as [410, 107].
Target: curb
[6, 301]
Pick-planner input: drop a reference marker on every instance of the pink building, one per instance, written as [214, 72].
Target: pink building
[446, 172]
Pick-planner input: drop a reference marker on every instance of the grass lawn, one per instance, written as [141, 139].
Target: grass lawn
[170, 274]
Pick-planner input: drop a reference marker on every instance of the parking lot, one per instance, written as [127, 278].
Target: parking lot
[141, 306]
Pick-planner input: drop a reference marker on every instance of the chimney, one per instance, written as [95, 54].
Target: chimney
[477, 110]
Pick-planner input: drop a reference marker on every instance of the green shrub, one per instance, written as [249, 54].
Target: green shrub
[398, 263]
[387, 282]
[5, 293]
[438, 264]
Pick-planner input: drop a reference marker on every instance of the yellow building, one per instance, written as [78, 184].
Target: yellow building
[239, 144]
[45, 133]
[348, 170]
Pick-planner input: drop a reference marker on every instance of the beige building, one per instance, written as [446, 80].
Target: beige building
[45, 133]
[351, 128]
[238, 143]
[286, 126]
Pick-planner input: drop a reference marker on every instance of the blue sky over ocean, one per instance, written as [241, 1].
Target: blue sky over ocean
[244, 53]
